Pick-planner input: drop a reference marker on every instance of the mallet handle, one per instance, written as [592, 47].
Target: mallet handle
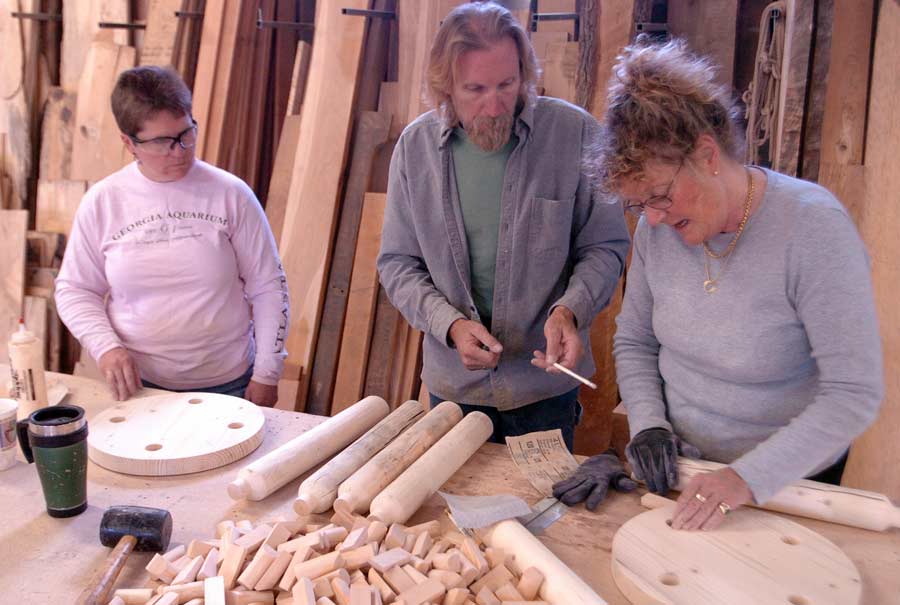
[97, 592]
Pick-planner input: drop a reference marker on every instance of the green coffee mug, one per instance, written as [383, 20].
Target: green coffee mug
[55, 439]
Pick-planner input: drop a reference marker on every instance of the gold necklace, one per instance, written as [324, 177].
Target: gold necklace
[711, 284]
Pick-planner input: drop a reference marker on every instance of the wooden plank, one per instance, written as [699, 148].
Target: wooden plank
[80, 30]
[710, 27]
[818, 82]
[313, 197]
[56, 135]
[14, 115]
[298, 77]
[877, 452]
[381, 349]
[35, 313]
[359, 320]
[559, 67]
[279, 185]
[797, 45]
[41, 281]
[615, 24]
[215, 127]
[13, 227]
[43, 249]
[57, 202]
[557, 6]
[158, 47]
[206, 72]
[371, 133]
[97, 149]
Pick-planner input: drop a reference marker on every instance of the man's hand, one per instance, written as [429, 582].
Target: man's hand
[708, 498]
[592, 479]
[653, 455]
[563, 344]
[263, 395]
[477, 348]
[121, 373]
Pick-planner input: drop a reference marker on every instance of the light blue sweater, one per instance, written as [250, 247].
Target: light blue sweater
[777, 371]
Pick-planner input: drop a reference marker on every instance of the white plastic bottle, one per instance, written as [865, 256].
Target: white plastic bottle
[26, 365]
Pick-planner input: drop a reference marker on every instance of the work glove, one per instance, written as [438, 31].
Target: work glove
[653, 455]
[591, 481]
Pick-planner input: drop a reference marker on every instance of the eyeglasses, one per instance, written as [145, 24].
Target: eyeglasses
[657, 202]
[187, 138]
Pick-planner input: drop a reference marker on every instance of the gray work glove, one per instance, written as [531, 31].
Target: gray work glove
[591, 481]
[653, 455]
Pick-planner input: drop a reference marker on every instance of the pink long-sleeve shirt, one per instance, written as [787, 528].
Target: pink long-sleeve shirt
[185, 275]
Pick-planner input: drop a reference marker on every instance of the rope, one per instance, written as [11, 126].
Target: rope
[763, 94]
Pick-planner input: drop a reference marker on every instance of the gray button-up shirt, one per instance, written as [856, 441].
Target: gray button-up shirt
[558, 245]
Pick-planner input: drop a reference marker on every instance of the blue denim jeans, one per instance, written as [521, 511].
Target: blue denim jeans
[561, 412]
[235, 388]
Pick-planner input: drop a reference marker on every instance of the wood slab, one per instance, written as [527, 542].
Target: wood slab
[158, 47]
[754, 558]
[56, 135]
[13, 225]
[175, 434]
[710, 27]
[80, 29]
[57, 203]
[15, 155]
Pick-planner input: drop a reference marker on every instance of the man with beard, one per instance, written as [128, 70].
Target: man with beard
[494, 243]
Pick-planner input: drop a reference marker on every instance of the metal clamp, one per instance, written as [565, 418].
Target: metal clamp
[359, 12]
[36, 16]
[575, 17]
[261, 23]
[189, 14]
[108, 25]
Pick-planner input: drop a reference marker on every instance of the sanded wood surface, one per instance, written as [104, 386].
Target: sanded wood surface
[57, 203]
[80, 29]
[878, 450]
[158, 47]
[313, 198]
[710, 27]
[13, 225]
[175, 434]
[280, 183]
[582, 540]
[361, 299]
[56, 135]
[754, 558]
[97, 149]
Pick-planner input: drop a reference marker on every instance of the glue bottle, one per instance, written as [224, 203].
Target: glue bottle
[26, 366]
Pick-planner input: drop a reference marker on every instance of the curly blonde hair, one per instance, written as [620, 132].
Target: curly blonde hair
[662, 97]
[475, 26]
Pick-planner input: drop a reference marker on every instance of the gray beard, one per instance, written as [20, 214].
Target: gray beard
[490, 134]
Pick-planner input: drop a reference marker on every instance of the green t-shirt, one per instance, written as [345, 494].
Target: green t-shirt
[479, 181]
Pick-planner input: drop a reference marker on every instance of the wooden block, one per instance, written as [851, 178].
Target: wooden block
[358, 577]
[223, 526]
[486, 597]
[358, 557]
[449, 579]
[185, 592]
[396, 536]
[354, 539]
[210, 564]
[473, 552]
[409, 542]
[281, 532]
[387, 593]
[398, 579]
[341, 591]
[170, 598]
[530, 583]
[377, 531]
[440, 547]
[333, 535]
[422, 545]
[417, 576]
[189, 572]
[425, 592]
[495, 556]
[263, 558]
[134, 596]
[303, 593]
[275, 572]
[447, 561]
[250, 597]
[493, 579]
[252, 540]
[245, 525]
[325, 601]
[231, 564]
[432, 527]
[318, 566]
[508, 592]
[198, 548]
[456, 596]
[314, 540]
[421, 565]
[469, 572]
[56, 135]
[299, 556]
[116, 601]
[161, 569]
[360, 594]
[389, 559]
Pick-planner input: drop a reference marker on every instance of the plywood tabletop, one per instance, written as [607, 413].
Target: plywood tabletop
[35, 545]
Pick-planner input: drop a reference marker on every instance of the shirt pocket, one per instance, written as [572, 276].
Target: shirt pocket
[550, 228]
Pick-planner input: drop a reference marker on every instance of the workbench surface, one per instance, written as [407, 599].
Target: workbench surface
[49, 561]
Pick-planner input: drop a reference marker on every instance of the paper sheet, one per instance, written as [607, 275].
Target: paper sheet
[543, 458]
[475, 512]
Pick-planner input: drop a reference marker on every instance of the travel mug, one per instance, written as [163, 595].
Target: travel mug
[55, 439]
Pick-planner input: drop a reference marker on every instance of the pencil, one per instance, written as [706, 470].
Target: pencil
[577, 377]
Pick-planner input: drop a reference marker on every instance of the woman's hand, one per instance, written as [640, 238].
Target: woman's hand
[121, 373]
[263, 395]
[708, 498]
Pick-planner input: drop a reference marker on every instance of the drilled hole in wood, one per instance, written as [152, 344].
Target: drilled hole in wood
[669, 579]
[790, 540]
[153, 447]
[117, 419]
[669, 522]
[195, 401]
[798, 600]
[236, 425]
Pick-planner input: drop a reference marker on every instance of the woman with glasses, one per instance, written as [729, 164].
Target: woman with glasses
[171, 277]
[748, 328]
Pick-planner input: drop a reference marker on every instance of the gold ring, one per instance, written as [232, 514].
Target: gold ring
[724, 508]
[700, 497]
